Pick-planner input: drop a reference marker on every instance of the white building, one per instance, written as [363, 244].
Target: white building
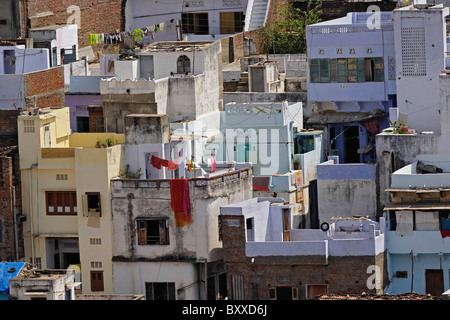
[60, 40]
[366, 68]
[191, 20]
[43, 284]
[419, 229]
[20, 60]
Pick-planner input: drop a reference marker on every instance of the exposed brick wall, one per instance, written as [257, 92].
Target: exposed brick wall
[7, 239]
[341, 274]
[330, 10]
[97, 16]
[94, 113]
[45, 88]
[8, 128]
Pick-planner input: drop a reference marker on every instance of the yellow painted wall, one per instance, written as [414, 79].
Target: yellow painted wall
[89, 170]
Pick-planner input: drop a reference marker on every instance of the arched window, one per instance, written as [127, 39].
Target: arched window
[183, 64]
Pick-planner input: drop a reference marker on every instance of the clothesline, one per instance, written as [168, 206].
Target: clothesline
[139, 33]
[172, 165]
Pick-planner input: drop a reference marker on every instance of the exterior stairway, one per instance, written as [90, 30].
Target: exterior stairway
[257, 9]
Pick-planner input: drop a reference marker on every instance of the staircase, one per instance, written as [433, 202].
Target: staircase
[257, 18]
[243, 83]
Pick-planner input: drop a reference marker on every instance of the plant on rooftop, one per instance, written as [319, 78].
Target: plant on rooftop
[287, 34]
[398, 127]
[125, 173]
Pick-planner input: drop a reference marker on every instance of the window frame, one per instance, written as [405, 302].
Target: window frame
[86, 209]
[143, 231]
[190, 22]
[346, 70]
[150, 290]
[72, 201]
[185, 62]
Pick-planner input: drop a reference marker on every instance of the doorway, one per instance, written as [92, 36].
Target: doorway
[351, 144]
[434, 281]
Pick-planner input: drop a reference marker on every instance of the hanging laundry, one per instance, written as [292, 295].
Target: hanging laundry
[158, 163]
[180, 202]
[172, 165]
[137, 34]
[213, 164]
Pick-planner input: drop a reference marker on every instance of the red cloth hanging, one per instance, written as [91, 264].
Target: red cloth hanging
[445, 233]
[158, 163]
[180, 202]
[172, 165]
[213, 164]
[372, 125]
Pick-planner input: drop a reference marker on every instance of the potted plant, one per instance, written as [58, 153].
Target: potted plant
[296, 164]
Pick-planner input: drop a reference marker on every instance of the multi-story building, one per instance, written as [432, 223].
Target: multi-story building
[417, 238]
[267, 257]
[362, 65]
[166, 239]
[65, 186]
[193, 20]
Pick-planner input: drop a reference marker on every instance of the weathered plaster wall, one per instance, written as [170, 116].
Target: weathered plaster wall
[346, 190]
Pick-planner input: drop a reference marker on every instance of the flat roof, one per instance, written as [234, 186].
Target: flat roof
[176, 46]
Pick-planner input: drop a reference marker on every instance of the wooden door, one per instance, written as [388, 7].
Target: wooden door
[434, 282]
[286, 224]
[97, 281]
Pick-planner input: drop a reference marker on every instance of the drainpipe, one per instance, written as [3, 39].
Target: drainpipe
[16, 245]
[31, 214]
[412, 270]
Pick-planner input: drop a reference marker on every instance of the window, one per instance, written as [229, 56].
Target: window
[3, 22]
[153, 232]
[91, 203]
[314, 290]
[196, 23]
[250, 230]
[61, 202]
[95, 241]
[97, 281]
[96, 264]
[28, 126]
[346, 70]
[160, 290]
[231, 22]
[62, 177]
[183, 64]
[283, 293]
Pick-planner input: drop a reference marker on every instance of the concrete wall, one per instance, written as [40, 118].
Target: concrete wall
[351, 33]
[297, 264]
[418, 94]
[140, 14]
[10, 11]
[346, 190]
[26, 60]
[395, 151]
[196, 242]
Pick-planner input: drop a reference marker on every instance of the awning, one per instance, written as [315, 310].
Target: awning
[418, 206]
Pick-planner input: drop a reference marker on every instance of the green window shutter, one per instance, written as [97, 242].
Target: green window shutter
[324, 71]
[314, 71]
[333, 70]
[379, 69]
